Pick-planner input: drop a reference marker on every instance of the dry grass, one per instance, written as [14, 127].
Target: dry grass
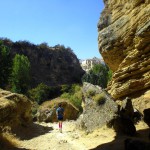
[52, 103]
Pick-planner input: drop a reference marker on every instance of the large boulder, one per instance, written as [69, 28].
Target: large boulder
[98, 108]
[15, 109]
[47, 111]
[123, 38]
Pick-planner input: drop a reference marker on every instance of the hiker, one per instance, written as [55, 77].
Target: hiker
[60, 115]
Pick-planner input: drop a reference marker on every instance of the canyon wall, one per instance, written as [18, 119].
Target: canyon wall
[49, 65]
[124, 43]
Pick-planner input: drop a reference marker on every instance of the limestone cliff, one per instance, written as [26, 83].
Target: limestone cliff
[124, 42]
[49, 65]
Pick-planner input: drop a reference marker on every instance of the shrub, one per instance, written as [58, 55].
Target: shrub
[40, 93]
[77, 99]
[74, 95]
[43, 92]
[99, 75]
[65, 88]
[90, 93]
[99, 98]
[65, 95]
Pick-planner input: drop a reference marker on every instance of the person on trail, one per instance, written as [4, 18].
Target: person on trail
[60, 115]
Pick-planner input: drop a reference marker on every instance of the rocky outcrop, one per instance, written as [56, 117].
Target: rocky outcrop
[49, 65]
[124, 42]
[15, 109]
[88, 64]
[47, 111]
[125, 119]
[98, 108]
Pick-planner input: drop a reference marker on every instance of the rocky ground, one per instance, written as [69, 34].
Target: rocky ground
[46, 136]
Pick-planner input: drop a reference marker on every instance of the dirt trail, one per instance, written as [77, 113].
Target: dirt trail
[47, 137]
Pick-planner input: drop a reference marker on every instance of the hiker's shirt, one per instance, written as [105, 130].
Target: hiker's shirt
[60, 112]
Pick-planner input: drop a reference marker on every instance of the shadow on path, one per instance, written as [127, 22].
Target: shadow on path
[31, 131]
[118, 143]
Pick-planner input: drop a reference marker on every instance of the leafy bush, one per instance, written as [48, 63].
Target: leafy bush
[98, 75]
[40, 93]
[43, 92]
[74, 95]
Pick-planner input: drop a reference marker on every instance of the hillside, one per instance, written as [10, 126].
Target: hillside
[115, 118]
[49, 65]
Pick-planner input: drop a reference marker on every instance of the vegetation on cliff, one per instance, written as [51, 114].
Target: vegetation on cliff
[43, 92]
[5, 64]
[98, 75]
[74, 95]
[52, 66]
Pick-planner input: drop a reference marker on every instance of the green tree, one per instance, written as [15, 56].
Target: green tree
[74, 95]
[43, 92]
[40, 93]
[98, 75]
[5, 64]
[20, 79]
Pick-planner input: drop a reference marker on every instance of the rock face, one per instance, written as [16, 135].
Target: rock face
[89, 63]
[15, 109]
[96, 114]
[49, 65]
[47, 111]
[124, 42]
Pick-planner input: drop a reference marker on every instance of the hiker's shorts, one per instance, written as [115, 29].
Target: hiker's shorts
[60, 118]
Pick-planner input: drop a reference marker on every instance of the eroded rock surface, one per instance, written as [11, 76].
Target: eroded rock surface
[96, 111]
[15, 109]
[124, 42]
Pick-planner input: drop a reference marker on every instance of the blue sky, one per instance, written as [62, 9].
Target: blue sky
[72, 23]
